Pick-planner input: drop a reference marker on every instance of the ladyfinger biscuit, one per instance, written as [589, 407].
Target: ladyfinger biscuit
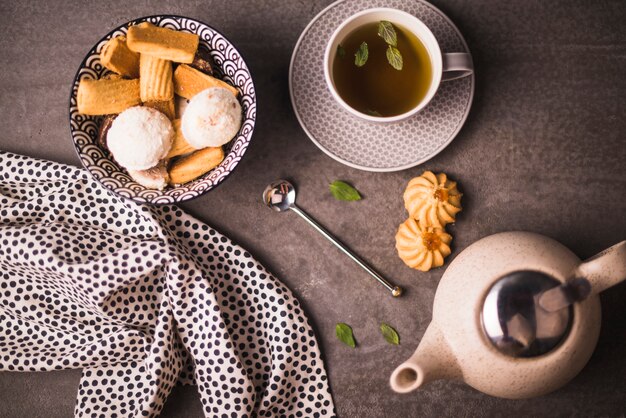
[155, 79]
[116, 56]
[104, 97]
[188, 82]
[179, 146]
[194, 165]
[162, 43]
[167, 107]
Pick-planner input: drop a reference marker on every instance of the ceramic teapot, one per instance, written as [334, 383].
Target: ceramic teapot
[516, 315]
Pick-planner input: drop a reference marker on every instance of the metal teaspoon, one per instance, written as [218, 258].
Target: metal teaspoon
[281, 196]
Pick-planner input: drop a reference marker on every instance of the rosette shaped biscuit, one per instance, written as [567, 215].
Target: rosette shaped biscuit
[422, 247]
[432, 199]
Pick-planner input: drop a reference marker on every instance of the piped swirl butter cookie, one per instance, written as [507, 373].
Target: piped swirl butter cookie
[433, 200]
[422, 247]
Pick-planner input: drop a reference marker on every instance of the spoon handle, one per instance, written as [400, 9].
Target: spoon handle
[395, 290]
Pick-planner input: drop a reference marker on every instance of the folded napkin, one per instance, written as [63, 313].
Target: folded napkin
[141, 298]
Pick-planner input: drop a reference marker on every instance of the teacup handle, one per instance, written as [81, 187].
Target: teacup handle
[456, 65]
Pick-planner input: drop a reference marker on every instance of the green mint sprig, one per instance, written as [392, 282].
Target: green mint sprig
[344, 334]
[361, 55]
[390, 334]
[343, 191]
[388, 33]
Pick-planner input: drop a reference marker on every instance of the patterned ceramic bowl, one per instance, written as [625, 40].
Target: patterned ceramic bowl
[229, 66]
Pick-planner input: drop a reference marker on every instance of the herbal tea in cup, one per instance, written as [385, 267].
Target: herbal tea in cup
[385, 65]
[379, 78]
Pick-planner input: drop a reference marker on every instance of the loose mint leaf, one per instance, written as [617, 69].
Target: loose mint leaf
[373, 113]
[388, 32]
[390, 334]
[344, 333]
[341, 51]
[343, 191]
[394, 57]
[360, 58]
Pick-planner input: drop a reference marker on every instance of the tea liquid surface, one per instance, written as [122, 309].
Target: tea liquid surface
[377, 88]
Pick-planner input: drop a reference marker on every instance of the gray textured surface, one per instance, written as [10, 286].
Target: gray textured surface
[543, 150]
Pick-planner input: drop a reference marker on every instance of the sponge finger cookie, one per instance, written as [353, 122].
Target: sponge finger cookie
[155, 81]
[180, 146]
[194, 165]
[107, 96]
[163, 43]
[116, 56]
[188, 82]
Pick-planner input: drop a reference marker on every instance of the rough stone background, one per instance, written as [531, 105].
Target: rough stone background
[544, 150]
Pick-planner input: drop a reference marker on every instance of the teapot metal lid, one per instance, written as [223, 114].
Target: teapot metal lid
[516, 321]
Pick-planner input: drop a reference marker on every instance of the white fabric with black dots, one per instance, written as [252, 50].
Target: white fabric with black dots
[143, 297]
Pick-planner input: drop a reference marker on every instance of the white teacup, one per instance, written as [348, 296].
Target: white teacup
[446, 66]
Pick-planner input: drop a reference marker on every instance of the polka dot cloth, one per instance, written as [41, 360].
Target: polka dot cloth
[141, 298]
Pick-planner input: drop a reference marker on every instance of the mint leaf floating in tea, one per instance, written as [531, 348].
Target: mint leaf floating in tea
[344, 333]
[360, 58]
[394, 57]
[388, 32]
[343, 191]
[341, 51]
[390, 334]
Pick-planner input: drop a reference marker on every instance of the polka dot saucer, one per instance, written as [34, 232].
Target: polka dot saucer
[229, 66]
[365, 145]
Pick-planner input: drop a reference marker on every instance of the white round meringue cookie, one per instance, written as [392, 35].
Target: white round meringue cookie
[212, 118]
[140, 137]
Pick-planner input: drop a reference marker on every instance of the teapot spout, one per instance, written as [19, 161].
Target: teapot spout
[432, 360]
[605, 269]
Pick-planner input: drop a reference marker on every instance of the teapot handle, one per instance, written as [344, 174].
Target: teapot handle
[605, 269]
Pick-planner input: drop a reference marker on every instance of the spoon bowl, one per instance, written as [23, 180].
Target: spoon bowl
[280, 195]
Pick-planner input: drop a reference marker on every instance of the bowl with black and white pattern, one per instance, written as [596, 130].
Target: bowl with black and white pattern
[228, 66]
